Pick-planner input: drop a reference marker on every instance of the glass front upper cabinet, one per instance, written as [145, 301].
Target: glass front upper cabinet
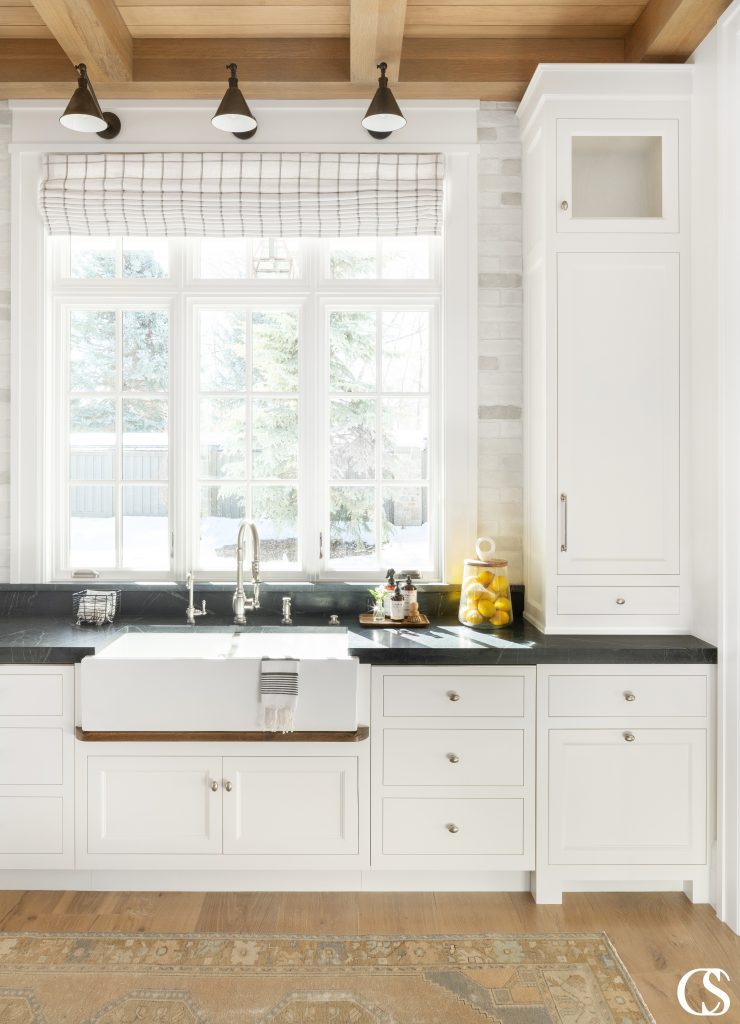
[617, 175]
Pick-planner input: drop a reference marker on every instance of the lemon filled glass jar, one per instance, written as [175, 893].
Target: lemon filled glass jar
[485, 598]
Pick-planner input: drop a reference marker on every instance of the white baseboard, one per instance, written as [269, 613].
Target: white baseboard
[268, 881]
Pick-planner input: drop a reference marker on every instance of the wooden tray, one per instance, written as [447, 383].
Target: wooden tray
[366, 619]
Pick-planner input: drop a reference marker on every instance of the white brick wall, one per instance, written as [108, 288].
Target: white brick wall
[4, 342]
[500, 332]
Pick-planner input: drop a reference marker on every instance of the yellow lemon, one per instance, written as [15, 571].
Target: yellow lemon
[486, 608]
[484, 577]
[473, 618]
[500, 583]
[474, 589]
[502, 604]
[499, 619]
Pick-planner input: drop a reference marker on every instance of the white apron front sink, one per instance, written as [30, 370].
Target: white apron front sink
[209, 682]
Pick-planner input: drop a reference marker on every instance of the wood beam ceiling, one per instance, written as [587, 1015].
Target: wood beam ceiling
[93, 32]
[375, 34]
[671, 29]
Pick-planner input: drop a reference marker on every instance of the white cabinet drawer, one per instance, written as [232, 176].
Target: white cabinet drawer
[453, 696]
[31, 694]
[455, 826]
[627, 797]
[620, 696]
[619, 600]
[453, 757]
[30, 757]
[290, 805]
[31, 824]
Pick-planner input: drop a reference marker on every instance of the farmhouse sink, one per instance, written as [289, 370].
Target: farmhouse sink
[209, 682]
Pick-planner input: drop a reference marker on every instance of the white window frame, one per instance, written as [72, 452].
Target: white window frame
[34, 517]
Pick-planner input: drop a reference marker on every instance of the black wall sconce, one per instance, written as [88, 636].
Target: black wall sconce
[384, 115]
[83, 113]
[233, 114]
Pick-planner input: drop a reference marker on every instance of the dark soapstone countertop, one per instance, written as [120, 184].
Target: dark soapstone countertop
[54, 639]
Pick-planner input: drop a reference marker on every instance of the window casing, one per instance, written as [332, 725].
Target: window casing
[212, 454]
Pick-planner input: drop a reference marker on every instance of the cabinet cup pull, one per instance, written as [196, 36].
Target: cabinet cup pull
[629, 696]
[453, 758]
[227, 786]
[629, 737]
[214, 786]
[564, 503]
[453, 696]
[620, 600]
[564, 205]
[452, 828]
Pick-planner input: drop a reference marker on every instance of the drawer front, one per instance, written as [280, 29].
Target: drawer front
[30, 694]
[30, 757]
[458, 826]
[619, 601]
[31, 824]
[453, 757]
[453, 696]
[620, 696]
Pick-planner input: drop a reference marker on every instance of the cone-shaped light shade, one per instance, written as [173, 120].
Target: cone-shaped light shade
[233, 114]
[383, 115]
[83, 113]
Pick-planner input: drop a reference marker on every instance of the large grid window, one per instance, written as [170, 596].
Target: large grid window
[196, 382]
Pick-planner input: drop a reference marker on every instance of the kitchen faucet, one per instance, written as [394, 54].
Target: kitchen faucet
[191, 612]
[241, 603]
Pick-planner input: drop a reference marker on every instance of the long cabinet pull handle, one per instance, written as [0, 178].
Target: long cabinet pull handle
[564, 503]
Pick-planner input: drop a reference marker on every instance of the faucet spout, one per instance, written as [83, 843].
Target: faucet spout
[241, 603]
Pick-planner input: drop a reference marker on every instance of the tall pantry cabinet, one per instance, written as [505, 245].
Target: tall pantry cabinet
[606, 190]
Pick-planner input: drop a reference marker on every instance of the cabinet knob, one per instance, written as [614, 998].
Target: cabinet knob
[453, 829]
[629, 737]
[214, 786]
[564, 205]
[629, 696]
[453, 696]
[227, 786]
[453, 758]
[620, 600]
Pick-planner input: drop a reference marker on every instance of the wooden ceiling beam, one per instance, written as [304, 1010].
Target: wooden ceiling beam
[375, 35]
[671, 29]
[91, 32]
[490, 60]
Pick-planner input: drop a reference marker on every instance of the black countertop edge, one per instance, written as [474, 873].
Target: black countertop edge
[53, 640]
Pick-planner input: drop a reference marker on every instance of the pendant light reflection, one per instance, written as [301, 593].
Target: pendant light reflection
[384, 115]
[83, 113]
[233, 114]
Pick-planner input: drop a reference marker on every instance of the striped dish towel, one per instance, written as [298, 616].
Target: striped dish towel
[278, 693]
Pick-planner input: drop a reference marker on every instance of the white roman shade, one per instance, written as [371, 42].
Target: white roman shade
[243, 194]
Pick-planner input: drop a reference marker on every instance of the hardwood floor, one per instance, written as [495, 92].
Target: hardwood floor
[659, 936]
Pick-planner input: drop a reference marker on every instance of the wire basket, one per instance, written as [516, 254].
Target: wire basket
[96, 607]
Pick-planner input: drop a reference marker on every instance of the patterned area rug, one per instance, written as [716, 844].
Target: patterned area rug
[264, 979]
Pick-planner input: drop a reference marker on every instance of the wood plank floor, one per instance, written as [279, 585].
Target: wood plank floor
[658, 935]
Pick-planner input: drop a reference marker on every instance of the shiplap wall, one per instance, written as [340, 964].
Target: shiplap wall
[4, 342]
[500, 332]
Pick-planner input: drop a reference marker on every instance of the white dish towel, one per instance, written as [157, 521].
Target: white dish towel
[278, 693]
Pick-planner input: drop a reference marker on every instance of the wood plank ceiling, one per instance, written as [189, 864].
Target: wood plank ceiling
[329, 48]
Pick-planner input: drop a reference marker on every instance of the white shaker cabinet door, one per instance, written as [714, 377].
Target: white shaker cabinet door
[294, 806]
[621, 796]
[618, 413]
[141, 804]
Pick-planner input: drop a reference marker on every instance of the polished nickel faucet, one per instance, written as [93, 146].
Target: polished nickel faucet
[191, 612]
[241, 603]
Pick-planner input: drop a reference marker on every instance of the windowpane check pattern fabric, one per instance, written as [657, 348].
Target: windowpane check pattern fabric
[243, 194]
